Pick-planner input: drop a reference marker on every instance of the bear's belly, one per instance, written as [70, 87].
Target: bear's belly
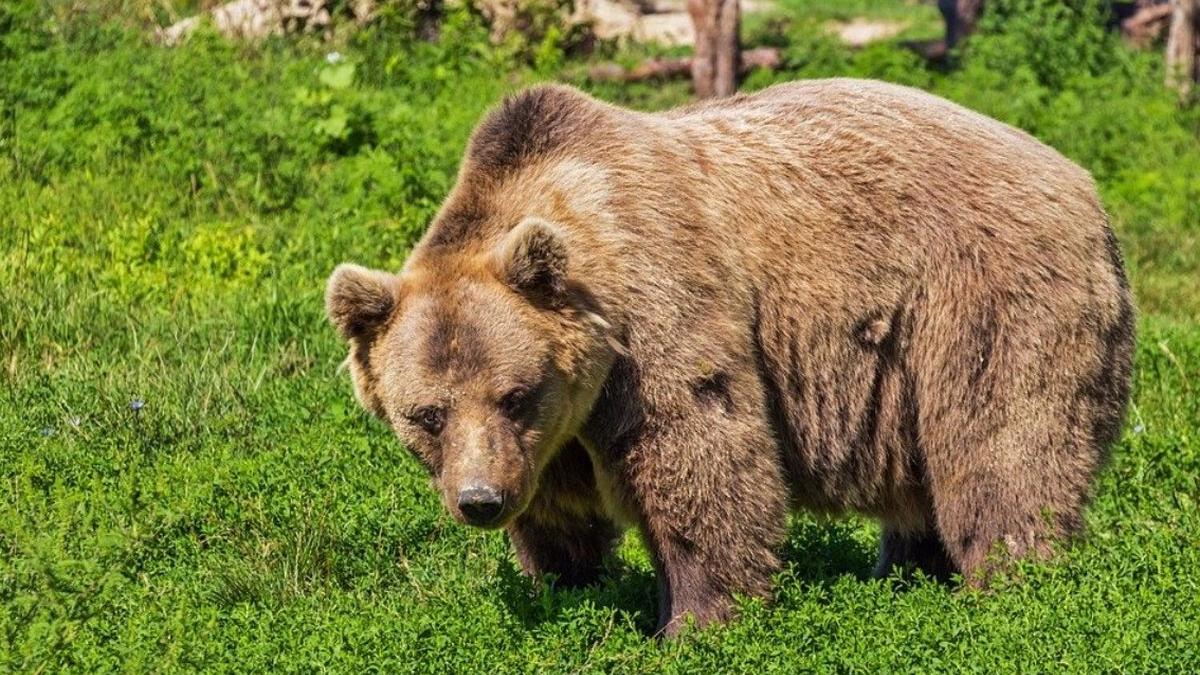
[846, 414]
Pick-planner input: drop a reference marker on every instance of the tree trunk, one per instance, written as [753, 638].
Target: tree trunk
[717, 58]
[961, 17]
[1183, 42]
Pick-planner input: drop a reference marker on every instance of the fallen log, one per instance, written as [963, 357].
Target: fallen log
[1146, 24]
[667, 68]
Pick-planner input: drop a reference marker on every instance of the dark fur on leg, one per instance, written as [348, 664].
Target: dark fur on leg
[713, 529]
[563, 532]
[909, 552]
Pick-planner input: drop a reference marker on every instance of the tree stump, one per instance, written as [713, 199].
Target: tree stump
[717, 57]
[961, 18]
[1183, 43]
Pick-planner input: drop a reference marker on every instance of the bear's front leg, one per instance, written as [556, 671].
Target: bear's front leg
[710, 493]
[564, 531]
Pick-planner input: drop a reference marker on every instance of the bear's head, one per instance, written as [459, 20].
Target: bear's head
[484, 362]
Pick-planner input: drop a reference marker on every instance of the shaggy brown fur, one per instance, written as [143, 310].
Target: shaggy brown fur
[837, 295]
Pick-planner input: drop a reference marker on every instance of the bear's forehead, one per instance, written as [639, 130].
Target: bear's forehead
[467, 331]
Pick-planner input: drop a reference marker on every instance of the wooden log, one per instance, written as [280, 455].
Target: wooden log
[1145, 25]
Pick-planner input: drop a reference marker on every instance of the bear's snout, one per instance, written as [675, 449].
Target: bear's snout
[480, 504]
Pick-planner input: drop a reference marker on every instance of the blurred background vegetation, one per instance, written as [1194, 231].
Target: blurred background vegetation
[187, 482]
[272, 127]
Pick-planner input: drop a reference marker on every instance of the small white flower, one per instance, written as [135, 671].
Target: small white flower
[333, 57]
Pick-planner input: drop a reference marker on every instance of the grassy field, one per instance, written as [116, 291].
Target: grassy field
[187, 482]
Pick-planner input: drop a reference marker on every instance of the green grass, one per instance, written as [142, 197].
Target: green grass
[167, 220]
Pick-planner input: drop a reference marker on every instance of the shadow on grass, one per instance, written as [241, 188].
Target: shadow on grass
[824, 551]
[814, 552]
[628, 590]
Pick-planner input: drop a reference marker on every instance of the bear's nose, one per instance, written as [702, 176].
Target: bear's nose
[480, 504]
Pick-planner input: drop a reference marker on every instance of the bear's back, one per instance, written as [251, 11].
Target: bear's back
[832, 177]
[899, 147]
[906, 119]
[833, 174]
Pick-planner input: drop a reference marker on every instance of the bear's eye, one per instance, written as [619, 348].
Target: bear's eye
[516, 403]
[430, 418]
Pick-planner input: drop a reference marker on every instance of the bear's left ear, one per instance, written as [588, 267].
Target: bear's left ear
[532, 260]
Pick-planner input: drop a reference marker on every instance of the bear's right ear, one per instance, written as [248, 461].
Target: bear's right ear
[359, 300]
[532, 260]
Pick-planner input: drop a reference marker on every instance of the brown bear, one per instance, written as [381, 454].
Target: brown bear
[835, 295]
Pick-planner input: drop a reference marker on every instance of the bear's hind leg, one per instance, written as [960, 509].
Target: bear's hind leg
[911, 551]
[985, 526]
[1018, 395]
[989, 515]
